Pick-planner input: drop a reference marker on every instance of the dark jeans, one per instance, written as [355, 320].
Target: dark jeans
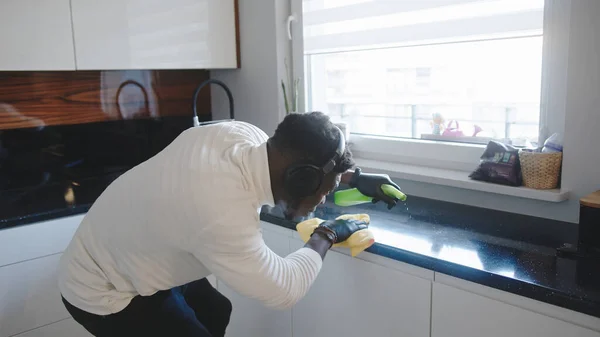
[195, 309]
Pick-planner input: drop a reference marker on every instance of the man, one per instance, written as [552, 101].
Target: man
[138, 263]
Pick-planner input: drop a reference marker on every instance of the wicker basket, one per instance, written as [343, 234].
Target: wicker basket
[540, 170]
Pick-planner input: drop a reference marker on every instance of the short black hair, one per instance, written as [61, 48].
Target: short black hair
[312, 137]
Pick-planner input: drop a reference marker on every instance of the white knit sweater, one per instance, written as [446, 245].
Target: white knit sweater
[188, 212]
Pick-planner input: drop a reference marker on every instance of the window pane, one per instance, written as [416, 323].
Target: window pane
[489, 88]
[396, 17]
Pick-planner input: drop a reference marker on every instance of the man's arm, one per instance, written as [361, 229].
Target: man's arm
[234, 251]
[319, 243]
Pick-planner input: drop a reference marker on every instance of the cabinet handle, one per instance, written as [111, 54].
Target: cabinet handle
[290, 19]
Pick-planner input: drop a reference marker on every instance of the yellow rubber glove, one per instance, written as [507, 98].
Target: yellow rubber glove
[357, 242]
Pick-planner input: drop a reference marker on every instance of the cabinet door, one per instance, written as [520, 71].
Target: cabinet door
[29, 295]
[39, 239]
[250, 317]
[154, 34]
[457, 313]
[355, 298]
[36, 35]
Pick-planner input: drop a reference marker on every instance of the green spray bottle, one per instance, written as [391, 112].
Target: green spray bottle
[351, 197]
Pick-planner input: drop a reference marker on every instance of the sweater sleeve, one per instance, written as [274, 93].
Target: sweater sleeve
[236, 253]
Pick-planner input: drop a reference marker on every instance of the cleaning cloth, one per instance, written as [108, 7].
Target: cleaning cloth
[357, 242]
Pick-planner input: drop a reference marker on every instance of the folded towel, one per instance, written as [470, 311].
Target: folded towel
[357, 242]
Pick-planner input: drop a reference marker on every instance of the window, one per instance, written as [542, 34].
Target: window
[390, 68]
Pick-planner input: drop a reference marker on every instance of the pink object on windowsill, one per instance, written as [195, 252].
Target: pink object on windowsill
[453, 131]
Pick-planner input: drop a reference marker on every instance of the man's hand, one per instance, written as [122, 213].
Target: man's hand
[370, 185]
[331, 232]
[338, 231]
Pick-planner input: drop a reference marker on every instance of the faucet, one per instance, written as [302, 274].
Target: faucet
[229, 97]
[144, 92]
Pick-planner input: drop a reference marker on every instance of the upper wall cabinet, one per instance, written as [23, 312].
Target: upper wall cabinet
[154, 34]
[36, 35]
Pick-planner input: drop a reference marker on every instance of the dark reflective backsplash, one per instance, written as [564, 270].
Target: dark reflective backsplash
[62, 169]
[66, 135]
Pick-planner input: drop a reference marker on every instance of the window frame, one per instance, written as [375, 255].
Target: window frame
[460, 156]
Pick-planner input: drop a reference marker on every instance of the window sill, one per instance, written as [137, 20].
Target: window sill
[458, 179]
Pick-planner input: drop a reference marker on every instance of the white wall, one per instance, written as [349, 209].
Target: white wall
[581, 171]
[263, 46]
[258, 99]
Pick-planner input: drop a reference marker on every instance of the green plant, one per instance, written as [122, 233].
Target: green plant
[294, 97]
[290, 97]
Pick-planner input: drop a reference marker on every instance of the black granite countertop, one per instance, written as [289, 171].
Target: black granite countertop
[60, 170]
[522, 268]
[51, 201]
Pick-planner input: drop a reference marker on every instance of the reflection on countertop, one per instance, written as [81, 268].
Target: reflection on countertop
[510, 265]
[50, 201]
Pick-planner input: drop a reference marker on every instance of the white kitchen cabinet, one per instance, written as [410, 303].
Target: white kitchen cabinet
[154, 34]
[29, 295]
[252, 318]
[213, 280]
[65, 328]
[35, 240]
[458, 313]
[355, 298]
[36, 35]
